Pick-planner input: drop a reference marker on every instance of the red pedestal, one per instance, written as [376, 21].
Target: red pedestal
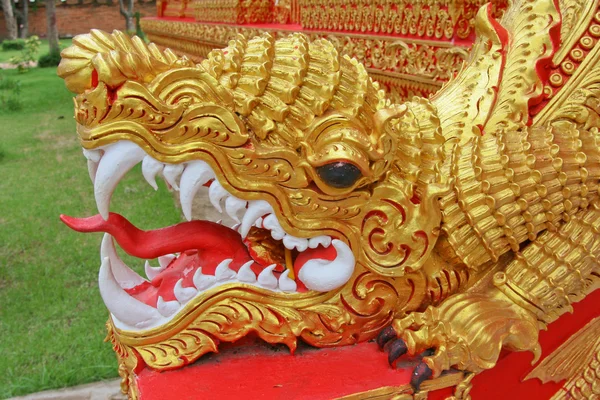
[259, 371]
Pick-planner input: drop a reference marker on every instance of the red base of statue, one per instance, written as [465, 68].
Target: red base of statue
[258, 371]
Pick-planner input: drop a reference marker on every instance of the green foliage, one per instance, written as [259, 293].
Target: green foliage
[10, 99]
[28, 55]
[16, 44]
[9, 84]
[138, 27]
[51, 59]
[51, 314]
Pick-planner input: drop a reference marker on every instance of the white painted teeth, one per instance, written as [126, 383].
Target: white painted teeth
[223, 272]
[183, 294]
[150, 169]
[196, 174]
[171, 173]
[270, 222]
[93, 158]
[117, 160]
[216, 193]
[292, 242]
[167, 308]
[287, 284]
[125, 276]
[323, 275]
[151, 271]
[107, 165]
[267, 279]
[324, 241]
[165, 260]
[128, 310]
[201, 281]
[93, 155]
[245, 273]
[256, 209]
[233, 205]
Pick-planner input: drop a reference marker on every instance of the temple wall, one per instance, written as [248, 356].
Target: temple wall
[73, 19]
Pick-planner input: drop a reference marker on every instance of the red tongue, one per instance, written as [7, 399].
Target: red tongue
[198, 235]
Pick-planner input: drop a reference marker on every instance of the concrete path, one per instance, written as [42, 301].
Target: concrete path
[31, 64]
[106, 390]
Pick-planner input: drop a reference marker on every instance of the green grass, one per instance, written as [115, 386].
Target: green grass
[51, 314]
[6, 55]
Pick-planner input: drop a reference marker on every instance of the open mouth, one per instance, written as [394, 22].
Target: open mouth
[197, 256]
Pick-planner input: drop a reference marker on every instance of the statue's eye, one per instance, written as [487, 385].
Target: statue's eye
[339, 174]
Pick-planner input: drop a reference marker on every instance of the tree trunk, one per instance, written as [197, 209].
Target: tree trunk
[128, 14]
[52, 30]
[24, 19]
[9, 16]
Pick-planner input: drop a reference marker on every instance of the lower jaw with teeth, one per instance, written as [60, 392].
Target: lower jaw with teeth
[207, 256]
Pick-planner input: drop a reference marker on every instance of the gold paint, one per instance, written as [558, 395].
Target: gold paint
[473, 226]
[289, 264]
[406, 392]
[577, 361]
[416, 63]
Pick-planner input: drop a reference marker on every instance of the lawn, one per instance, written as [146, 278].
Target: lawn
[6, 55]
[51, 314]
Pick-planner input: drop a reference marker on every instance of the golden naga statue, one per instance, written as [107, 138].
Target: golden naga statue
[459, 225]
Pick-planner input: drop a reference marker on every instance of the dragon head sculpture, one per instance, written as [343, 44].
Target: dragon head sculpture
[334, 188]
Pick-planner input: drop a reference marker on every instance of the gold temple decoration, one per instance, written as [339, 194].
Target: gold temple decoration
[577, 361]
[409, 47]
[476, 220]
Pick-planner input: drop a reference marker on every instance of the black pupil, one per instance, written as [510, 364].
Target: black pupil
[339, 174]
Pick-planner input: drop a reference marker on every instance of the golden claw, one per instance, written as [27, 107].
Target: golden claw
[467, 332]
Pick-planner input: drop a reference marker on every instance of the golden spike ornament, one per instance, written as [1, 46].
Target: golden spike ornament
[464, 223]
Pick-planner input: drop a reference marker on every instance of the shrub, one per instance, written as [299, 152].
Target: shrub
[10, 90]
[11, 103]
[28, 54]
[51, 59]
[10, 84]
[16, 44]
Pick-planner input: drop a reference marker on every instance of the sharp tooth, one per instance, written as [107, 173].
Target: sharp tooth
[256, 209]
[92, 169]
[236, 227]
[323, 275]
[286, 284]
[325, 241]
[92, 155]
[167, 308]
[183, 294]
[223, 272]
[125, 308]
[259, 223]
[171, 173]
[220, 222]
[201, 281]
[165, 260]
[151, 168]
[291, 242]
[93, 158]
[125, 276]
[233, 205]
[267, 279]
[196, 174]
[118, 159]
[215, 194]
[245, 273]
[270, 222]
[151, 271]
